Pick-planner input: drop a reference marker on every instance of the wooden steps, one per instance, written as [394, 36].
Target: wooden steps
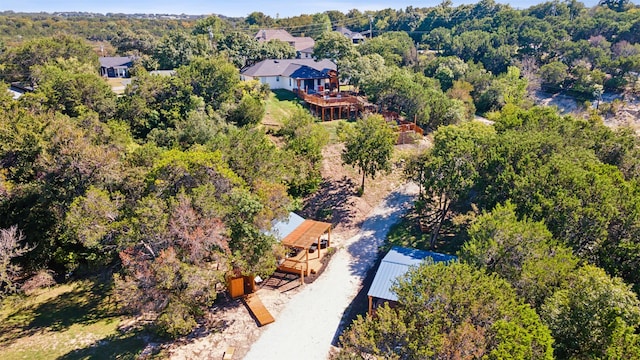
[257, 309]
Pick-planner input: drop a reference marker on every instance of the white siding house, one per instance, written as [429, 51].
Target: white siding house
[291, 74]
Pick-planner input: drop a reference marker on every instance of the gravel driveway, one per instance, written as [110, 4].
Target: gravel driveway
[309, 322]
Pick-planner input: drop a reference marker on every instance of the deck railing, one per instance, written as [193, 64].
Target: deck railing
[327, 100]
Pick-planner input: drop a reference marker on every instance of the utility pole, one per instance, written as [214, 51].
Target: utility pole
[370, 26]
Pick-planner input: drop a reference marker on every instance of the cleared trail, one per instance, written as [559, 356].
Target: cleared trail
[306, 327]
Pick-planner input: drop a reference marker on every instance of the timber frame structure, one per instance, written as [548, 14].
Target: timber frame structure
[332, 106]
[305, 237]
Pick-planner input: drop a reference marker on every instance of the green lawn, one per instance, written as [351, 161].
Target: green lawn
[280, 105]
[332, 127]
[407, 233]
[71, 321]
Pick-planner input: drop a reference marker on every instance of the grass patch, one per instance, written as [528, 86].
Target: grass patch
[407, 233]
[331, 127]
[70, 321]
[280, 105]
[117, 85]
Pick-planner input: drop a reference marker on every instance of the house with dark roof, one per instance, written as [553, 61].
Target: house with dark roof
[302, 45]
[115, 66]
[354, 36]
[292, 74]
[397, 263]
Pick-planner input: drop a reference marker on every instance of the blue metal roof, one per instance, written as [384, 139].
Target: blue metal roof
[395, 264]
[280, 229]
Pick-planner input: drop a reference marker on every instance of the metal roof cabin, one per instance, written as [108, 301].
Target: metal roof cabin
[396, 263]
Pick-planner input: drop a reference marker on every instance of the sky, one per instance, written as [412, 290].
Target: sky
[233, 8]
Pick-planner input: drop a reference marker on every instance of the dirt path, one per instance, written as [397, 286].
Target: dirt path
[309, 322]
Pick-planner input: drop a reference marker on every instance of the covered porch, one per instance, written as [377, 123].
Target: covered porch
[306, 246]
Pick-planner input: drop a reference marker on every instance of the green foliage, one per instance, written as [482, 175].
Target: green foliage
[304, 141]
[73, 92]
[521, 252]
[553, 75]
[213, 79]
[369, 146]
[450, 310]
[91, 221]
[362, 70]
[448, 172]
[248, 112]
[593, 312]
[335, 46]
[19, 60]
[178, 48]
[396, 48]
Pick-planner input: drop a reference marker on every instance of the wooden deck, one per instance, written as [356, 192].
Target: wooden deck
[257, 309]
[300, 266]
[333, 107]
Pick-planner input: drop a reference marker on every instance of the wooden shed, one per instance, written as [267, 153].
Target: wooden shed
[239, 285]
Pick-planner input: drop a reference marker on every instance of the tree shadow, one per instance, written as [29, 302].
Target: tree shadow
[407, 233]
[80, 306]
[367, 251]
[285, 95]
[84, 304]
[332, 202]
[373, 233]
[121, 346]
[358, 306]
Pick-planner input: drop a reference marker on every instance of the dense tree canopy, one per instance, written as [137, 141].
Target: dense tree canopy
[171, 185]
[450, 311]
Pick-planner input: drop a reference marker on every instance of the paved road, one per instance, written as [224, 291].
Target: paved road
[306, 327]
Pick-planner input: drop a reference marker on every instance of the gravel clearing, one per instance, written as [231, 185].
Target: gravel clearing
[309, 322]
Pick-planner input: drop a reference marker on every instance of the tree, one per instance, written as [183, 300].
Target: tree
[396, 48]
[448, 172]
[11, 247]
[19, 60]
[553, 75]
[304, 140]
[588, 315]
[616, 5]
[363, 70]
[178, 48]
[73, 92]
[369, 146]
[334, 46]
[177, 272]
[522, 252]
[248, 112]
[213, 79]
[450, 311]
[92, 221]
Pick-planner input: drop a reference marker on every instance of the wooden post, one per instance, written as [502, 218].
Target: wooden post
[370, 305]
[301, 276]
